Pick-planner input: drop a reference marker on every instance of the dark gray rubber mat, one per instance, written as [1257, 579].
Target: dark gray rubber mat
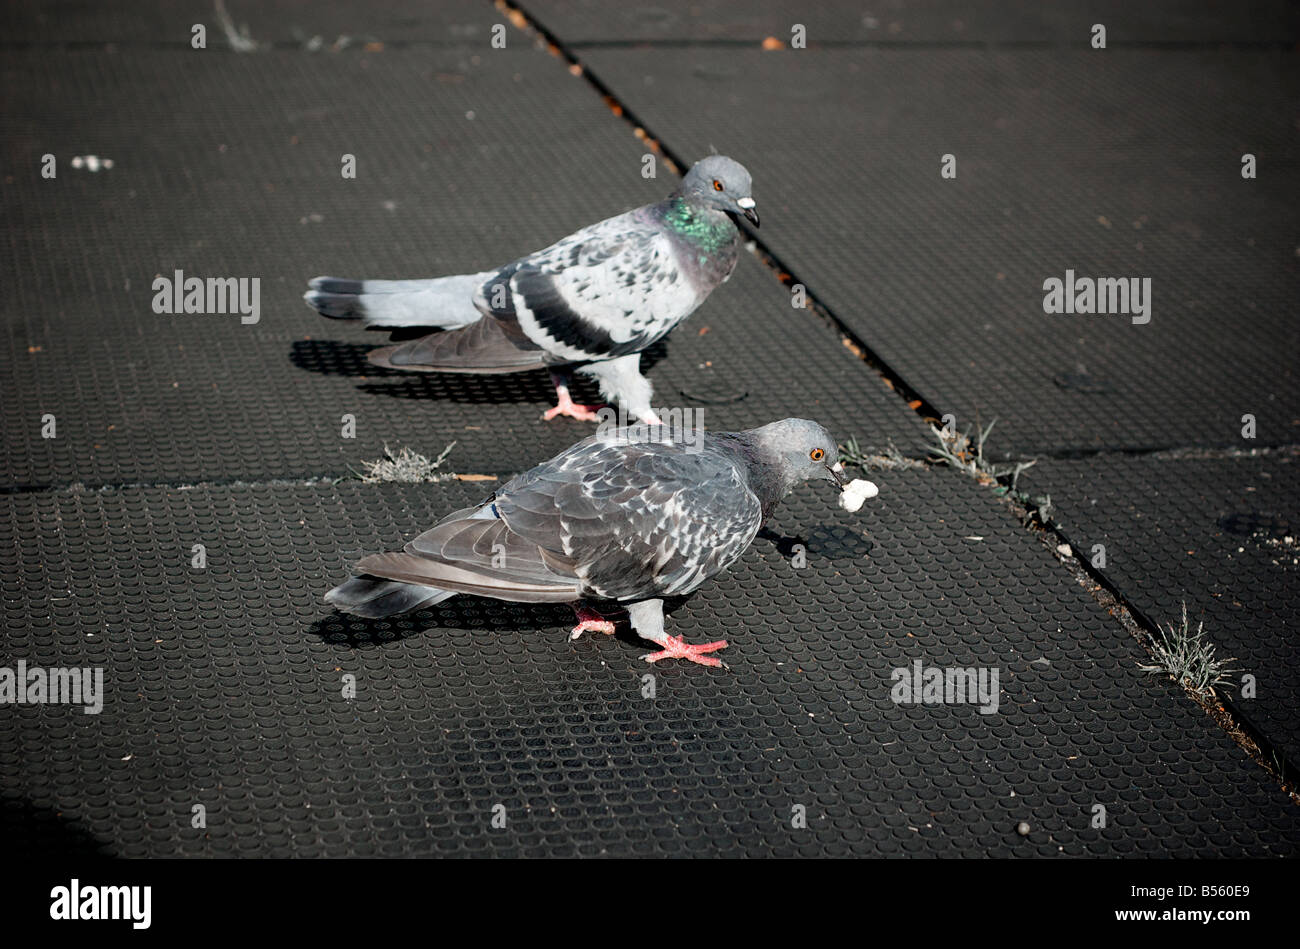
[900, 22]
[1217, 535]
[229, 165]
[333, 25]
[1116, 163]
[225, 729]
[479, 728]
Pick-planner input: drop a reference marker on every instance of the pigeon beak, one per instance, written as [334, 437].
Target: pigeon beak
[837, 474]
[747, 205]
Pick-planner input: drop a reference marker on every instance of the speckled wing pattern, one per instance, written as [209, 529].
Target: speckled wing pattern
[638, 520]
[606, 291]
[606, 519]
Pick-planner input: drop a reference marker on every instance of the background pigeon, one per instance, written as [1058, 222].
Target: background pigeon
[626, 517]
[592, 302]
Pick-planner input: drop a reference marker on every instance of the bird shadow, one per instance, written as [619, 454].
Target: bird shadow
[330, 357]
[334, 358]
[475, 614]
[835, 543]
[460, 612]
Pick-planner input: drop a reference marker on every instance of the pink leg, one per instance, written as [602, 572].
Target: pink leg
[675, 648]
[566, 406]
[589, 621]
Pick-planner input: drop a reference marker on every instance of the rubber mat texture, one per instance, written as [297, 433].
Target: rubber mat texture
[224, 688]
[1217, 535]
[229, 165]
[1114, 163]
[899, 22]
[334, 24]
[225, 684]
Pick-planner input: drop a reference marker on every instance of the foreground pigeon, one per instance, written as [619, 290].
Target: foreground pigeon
[623, 518]
[592, 302]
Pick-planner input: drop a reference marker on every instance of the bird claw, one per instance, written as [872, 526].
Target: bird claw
[675, 648]
[589, 621]
[592, 626]
[583, 413]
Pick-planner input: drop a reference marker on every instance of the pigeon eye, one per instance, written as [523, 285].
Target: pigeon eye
[717, 185]
[817, 454]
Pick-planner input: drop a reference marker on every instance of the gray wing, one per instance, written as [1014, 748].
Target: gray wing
[473, 551]
[603, 519]
[634, 520]
[608, 290]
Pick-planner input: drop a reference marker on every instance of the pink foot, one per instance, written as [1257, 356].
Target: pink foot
[675, 648]
[566, 406]
[589, 621]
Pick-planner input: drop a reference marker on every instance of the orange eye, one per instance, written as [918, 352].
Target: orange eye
[817, 454]
[717, 185]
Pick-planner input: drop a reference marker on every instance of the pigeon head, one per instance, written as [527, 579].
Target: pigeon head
[722, 183]
[800, 451]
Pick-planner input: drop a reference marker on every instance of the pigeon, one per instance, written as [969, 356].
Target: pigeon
[620, 520]
[591, 302]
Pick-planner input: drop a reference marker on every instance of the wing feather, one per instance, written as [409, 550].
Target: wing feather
[656, 518]
[604, 519]
[609, 290]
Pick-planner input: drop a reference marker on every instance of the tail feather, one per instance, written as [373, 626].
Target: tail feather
[470, 578]
[341, 285]
[469, 551]
[375, 598]
[440, 303]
